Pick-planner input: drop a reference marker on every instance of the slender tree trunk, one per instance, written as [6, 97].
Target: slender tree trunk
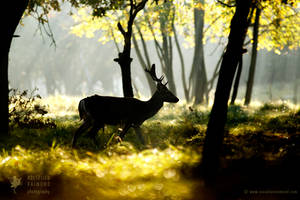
[237, 81]
[215, 128]
[211, 82]
[124, 61]
[185, 87]
[295, 98]
[271, 80]
[198, 78]
[166, 49]
[167, 56]
[151, 83]
[296, 82]
[15, 10]
[169, 70]
[250, 81]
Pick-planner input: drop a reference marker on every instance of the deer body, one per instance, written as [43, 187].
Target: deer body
[97, 111]
[117, 110]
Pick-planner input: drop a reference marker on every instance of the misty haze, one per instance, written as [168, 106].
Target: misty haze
[84, 66]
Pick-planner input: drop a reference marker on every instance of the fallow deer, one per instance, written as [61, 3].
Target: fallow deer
[96, 111]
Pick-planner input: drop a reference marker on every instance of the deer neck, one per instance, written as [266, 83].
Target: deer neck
[154, 104]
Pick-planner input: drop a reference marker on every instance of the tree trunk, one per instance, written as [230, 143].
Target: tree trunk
[15, 10]
[4, 92]
[237, 81]
[124, 61]
[171, 80]
[185, 87]
[297, 81]
[215, 128]
[295, 97]
[126, 78]
[167, 52]
[253, 58]
[198, 78]
[151, 83]
[271, 80]
[124, 58]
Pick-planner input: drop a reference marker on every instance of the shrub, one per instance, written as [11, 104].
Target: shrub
[236, 115]
[274, 107]
[26, 112]
[196, 116]
[289, 123]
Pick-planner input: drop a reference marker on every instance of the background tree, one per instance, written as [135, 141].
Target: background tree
[277, 33]
[198, 73]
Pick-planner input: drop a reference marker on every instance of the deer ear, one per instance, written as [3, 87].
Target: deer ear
[153, 69]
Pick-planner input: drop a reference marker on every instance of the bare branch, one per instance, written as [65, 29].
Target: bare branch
[225, 4]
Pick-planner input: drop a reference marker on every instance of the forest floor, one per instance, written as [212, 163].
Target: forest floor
[260, 157]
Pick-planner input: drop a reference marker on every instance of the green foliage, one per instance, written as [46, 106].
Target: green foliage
[26, 112]
[279, 23]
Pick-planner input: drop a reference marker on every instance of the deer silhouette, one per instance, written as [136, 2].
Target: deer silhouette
[97, 111]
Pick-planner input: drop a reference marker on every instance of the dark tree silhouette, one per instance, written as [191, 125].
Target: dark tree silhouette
[237, 81]
[215, 129]
[15, 10]
[124, 58]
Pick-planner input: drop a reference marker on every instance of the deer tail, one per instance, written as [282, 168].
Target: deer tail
[82, 109]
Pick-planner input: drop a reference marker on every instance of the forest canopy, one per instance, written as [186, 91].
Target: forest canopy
[279, 29]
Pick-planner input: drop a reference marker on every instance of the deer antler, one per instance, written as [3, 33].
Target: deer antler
[153, 74]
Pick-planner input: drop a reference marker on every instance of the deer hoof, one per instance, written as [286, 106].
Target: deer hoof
[118, 138]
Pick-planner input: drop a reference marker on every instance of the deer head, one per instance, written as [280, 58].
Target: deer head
[162, 90]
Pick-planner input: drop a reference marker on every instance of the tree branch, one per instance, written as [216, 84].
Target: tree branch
[121, 29]
[225, 4]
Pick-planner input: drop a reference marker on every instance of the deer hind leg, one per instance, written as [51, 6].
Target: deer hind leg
[138, 132]
[93, 133]
[80, 130]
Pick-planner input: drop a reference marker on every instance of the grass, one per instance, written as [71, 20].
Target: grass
[164, 168]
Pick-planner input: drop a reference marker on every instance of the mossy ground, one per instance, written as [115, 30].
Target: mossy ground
[164, 168]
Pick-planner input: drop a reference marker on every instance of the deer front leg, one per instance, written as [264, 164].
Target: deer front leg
[124, 131]
[80, 130]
